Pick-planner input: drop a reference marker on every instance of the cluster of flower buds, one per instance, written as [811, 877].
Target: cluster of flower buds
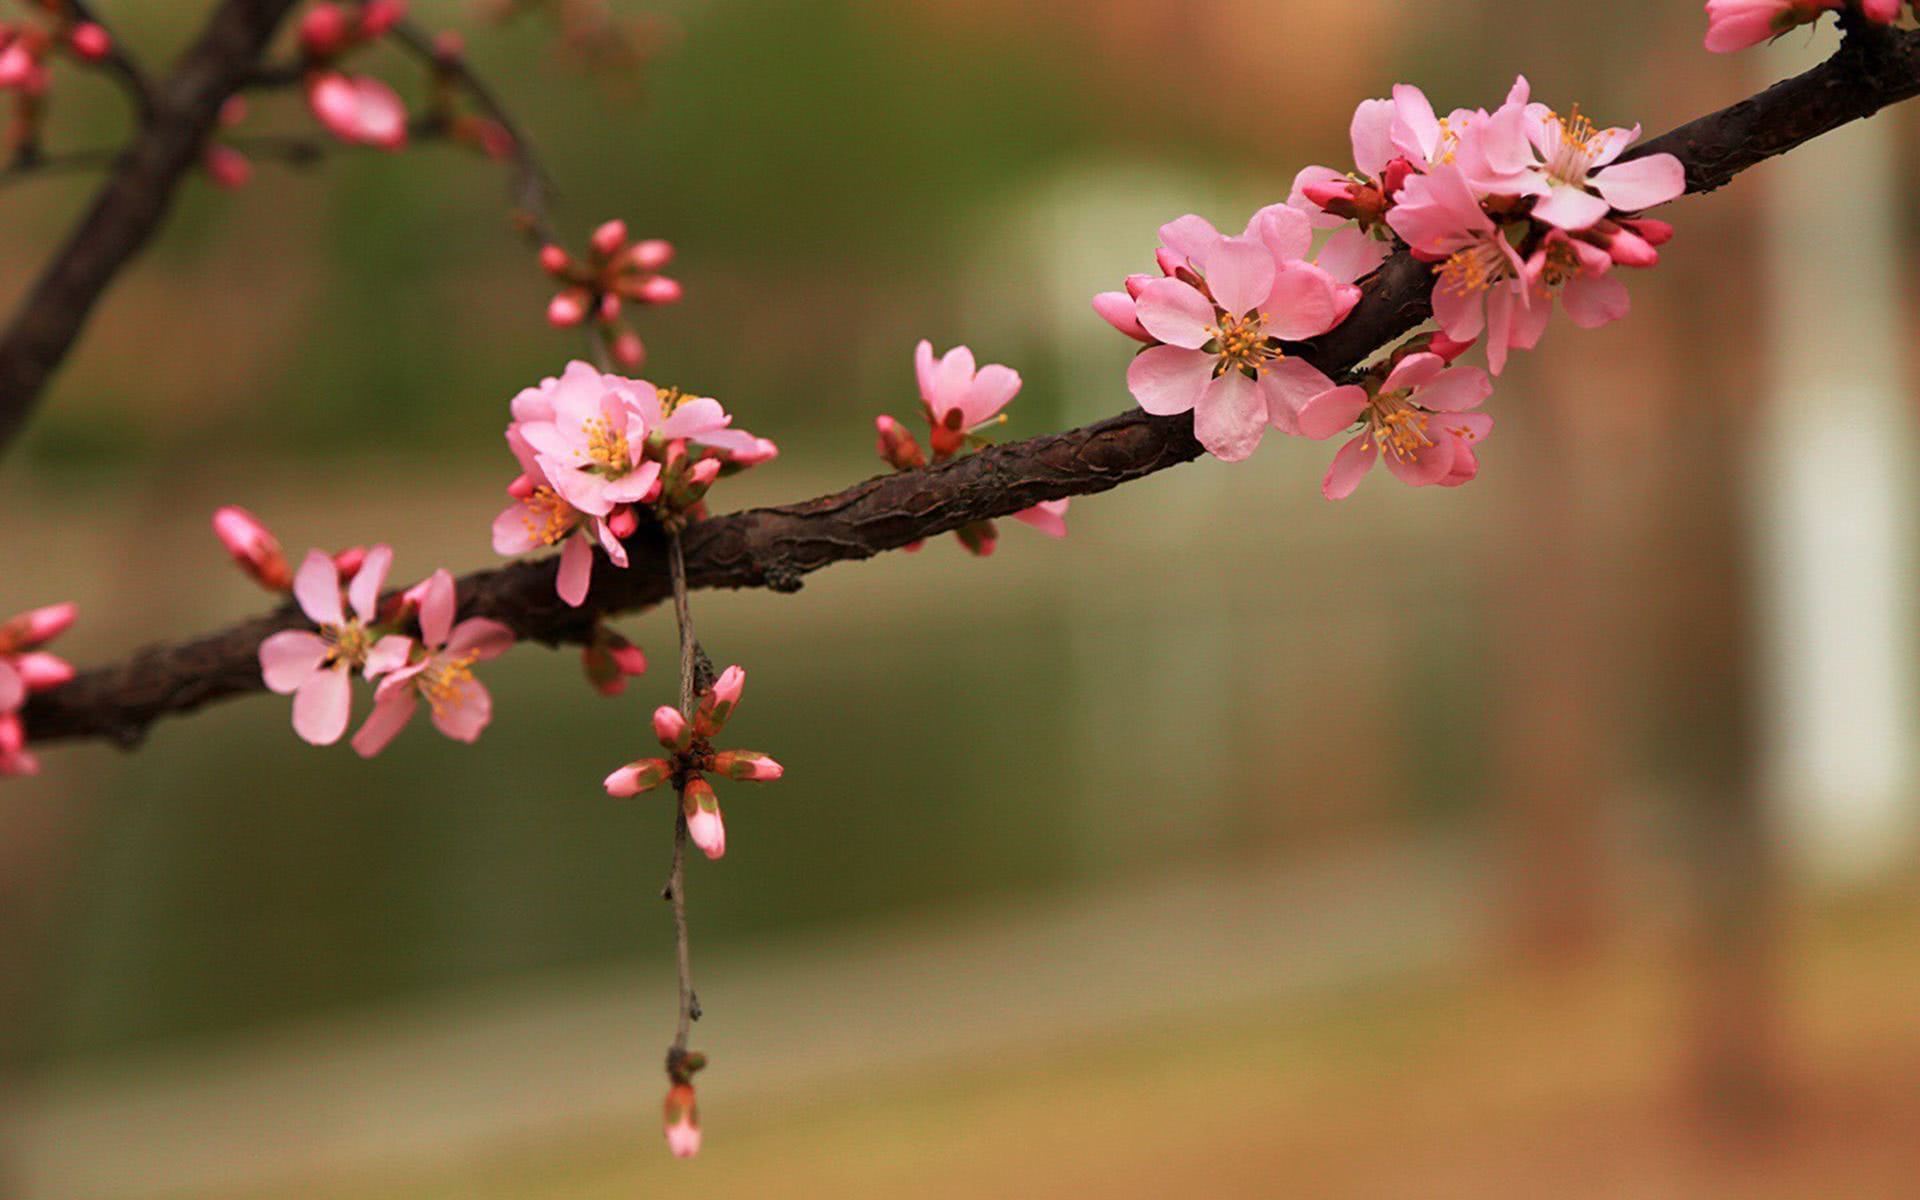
[356, 633]
[959, 401]
[1737, 24]
[681, 1118]
[357, 109]
[596, 451]
[1517, 209]
[24, 670]
[609, 660]
[615, 273]
[26, 47]
[691, 757]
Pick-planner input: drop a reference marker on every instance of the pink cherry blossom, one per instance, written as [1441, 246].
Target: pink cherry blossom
[1580, 274]
[1049, 517]
[1478, 285]
[591, 444]
[24, 671]
[1418, 418]
[358, 109]
[1222, 321]
[314, 668]
[958, 398]
[701, 420]
[1572, 168]
[1738, 24]
[442, 674]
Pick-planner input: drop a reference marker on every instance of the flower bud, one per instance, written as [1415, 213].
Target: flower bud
[637, 777]
[659, 290]
[522, 487]
[378, 16]
[348, 561]
[227, 167]
[621, 522]
[41, 671]
[981, 538]
[682, 1121]
[19, 68]
[324, 30]
[628, 350]
[704, 825]
[1653, 231]
[704, 473]
[896, 446]
[1394, 176]
[1629, 249]
[554, 260]
[13, 735]
[609, 308]
[233, 110]
[449, 46]
[651, 254]
[1117, 309]
[670, 726]
[90, 41]
[568, 308]
[253, 547]
[39, 625]
[608, 238]
[747, 766]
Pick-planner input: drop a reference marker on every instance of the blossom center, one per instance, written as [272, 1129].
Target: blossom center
[1561, 267]
[1241, 343]
[1477, 268]
[1573, 156]
[548, 518]
[671, 398]
[1397, 426]
[607, 447]
[350, 642]
[446, 679]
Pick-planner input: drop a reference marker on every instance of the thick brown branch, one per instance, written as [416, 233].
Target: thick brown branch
[776, 547]
[131, 204]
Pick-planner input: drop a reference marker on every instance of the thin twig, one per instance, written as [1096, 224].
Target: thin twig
[119, 63]
[677, 874]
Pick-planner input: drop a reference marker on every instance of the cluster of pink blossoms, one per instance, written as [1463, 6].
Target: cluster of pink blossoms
[1516, 208]
[356, 633]
[615, 273]
[24, 670]
[597, 449]
[1737, 24]
[691, 757]
[959, 401]
[26, 49]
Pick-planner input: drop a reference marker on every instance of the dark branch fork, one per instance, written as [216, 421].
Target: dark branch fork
[775, 547]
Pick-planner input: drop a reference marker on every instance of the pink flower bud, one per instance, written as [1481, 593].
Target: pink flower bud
[1168, 261]
[37, 626]
[748, 766]
[651, 254]
[1886, 12]
[348, 562]
[727, 688]
[670, 726]
[660, 290]
[1136, 284]
[628, 350]
[1394, 176]
[378, 16]
[18, 67]
[1449, 349]
[1117, 310]
[609, 308]
[682, 1123]
[1329, 194]
[324, 30]
[233, 110]
[608, 238]
[1629, 249]
[896, 446]
[41, 671]
[704, 825]
[981, 538]
[254, 548]
[1653, 231]
[762, 450]
[554, 260]
[90, 41]
[637, 777]
[227, 167]
[622, 522]
[628, 657]
[522, 487]
[568, 308]
[358, 110]
[13, 736]
[705, 472]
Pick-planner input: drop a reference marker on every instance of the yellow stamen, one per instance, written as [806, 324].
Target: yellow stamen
[548, 518]
[444, 682]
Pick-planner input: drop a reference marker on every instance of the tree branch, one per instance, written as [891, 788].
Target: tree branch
[131, 204]
[776, 547]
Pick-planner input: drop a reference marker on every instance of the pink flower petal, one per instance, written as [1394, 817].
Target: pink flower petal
[576, 571]
[992, 388]
[1332, 412]
[317, 587]
[1191, 237]
[1303, 303]
[1117, 310]
[1240, 275]
[480, 637]
[1413, 371]
[1372, 134]
[437, 607]
[1283, 230]
[1643, 183]
[1231, 417]
[389, 654]
[1456, 390]
[1289, 385]
[467, 714]
[364, 592]
[1166, 380]
[1349, 467]
[1595, 300]
[391, 712]
[322, 704]
[1570, 207]
[1049, 517]
[13, 689]
[1350, 254]
[288, 659]
[1175, 313]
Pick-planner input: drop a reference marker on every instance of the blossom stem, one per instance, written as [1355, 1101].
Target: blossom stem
[677, 873]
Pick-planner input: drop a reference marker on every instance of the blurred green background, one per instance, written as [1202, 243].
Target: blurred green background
[1240, 844]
